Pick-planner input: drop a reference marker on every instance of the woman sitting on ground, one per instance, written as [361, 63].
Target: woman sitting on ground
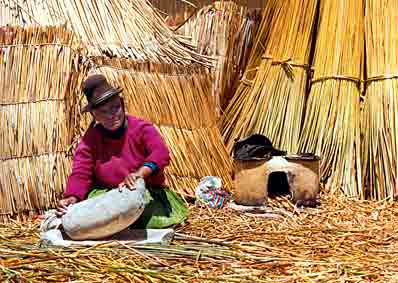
[115, 151]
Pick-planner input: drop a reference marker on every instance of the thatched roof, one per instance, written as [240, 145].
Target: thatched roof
[122, 28]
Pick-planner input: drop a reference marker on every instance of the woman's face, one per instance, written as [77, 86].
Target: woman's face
[111, 114]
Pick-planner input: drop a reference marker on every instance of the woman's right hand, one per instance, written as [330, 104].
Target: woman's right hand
[64, 203]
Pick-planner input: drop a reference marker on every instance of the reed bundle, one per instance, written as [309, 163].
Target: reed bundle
[125, 28]
[224, 30]
[37, 118]
[343, 240]
[273, 103]
[331, 126]
[179, 102]
[380, 109]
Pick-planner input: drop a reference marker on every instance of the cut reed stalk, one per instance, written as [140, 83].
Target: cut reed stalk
[380, 109]
[273, 103]
[332, 118]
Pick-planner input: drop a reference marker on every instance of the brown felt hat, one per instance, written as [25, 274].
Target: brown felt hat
[97, 91]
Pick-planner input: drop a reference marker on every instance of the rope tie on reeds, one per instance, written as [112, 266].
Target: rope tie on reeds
[358, 81]
[337, 77]
[36, 155]
[380, 78]
[246, 81]
[362, 84]
[166, 70]
[35, 45]
[31, 101]
[288, 65]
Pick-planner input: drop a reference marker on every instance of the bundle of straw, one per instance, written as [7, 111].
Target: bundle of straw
[379, 117]
[331, 126]
[226, 31]
[178, 101]
[273, 104]
[38, 115]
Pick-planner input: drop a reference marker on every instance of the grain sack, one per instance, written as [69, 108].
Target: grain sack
[105, 214]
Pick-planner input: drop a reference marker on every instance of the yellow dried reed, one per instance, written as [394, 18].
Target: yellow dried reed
[274, 103]
[331, 125]
[380, 110]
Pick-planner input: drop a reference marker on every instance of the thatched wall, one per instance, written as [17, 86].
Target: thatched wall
[37, 116]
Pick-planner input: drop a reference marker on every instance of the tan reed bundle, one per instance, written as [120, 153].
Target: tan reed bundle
[37, 117]
[273, 106]
[380, 110]
[125, 28]
[224, 30]
[331, 127]
[177, 100]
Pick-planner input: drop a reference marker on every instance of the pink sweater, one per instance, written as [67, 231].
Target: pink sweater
[101, 160]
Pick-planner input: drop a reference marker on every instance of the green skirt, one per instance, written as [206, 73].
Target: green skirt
[164, 208]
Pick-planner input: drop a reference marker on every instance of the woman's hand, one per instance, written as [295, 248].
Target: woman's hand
[63, 204]
[130, 180]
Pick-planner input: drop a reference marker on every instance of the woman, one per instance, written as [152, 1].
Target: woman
[115, 151]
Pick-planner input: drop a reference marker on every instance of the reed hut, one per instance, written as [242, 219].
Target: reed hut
[274, 101]
[165, 80]
[331, 125]
[38, 78]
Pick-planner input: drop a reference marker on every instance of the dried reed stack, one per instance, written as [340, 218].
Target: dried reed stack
[273, 104]
[379, 117]
[37, 117]
[331, 128]
[178, 100]
[126, 28]
[226, 31]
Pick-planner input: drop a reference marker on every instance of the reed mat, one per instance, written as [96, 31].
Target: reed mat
[344, 240]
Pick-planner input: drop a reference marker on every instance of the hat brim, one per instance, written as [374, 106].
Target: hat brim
[106, 96]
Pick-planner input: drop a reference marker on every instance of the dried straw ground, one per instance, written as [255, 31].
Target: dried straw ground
[342, 241]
